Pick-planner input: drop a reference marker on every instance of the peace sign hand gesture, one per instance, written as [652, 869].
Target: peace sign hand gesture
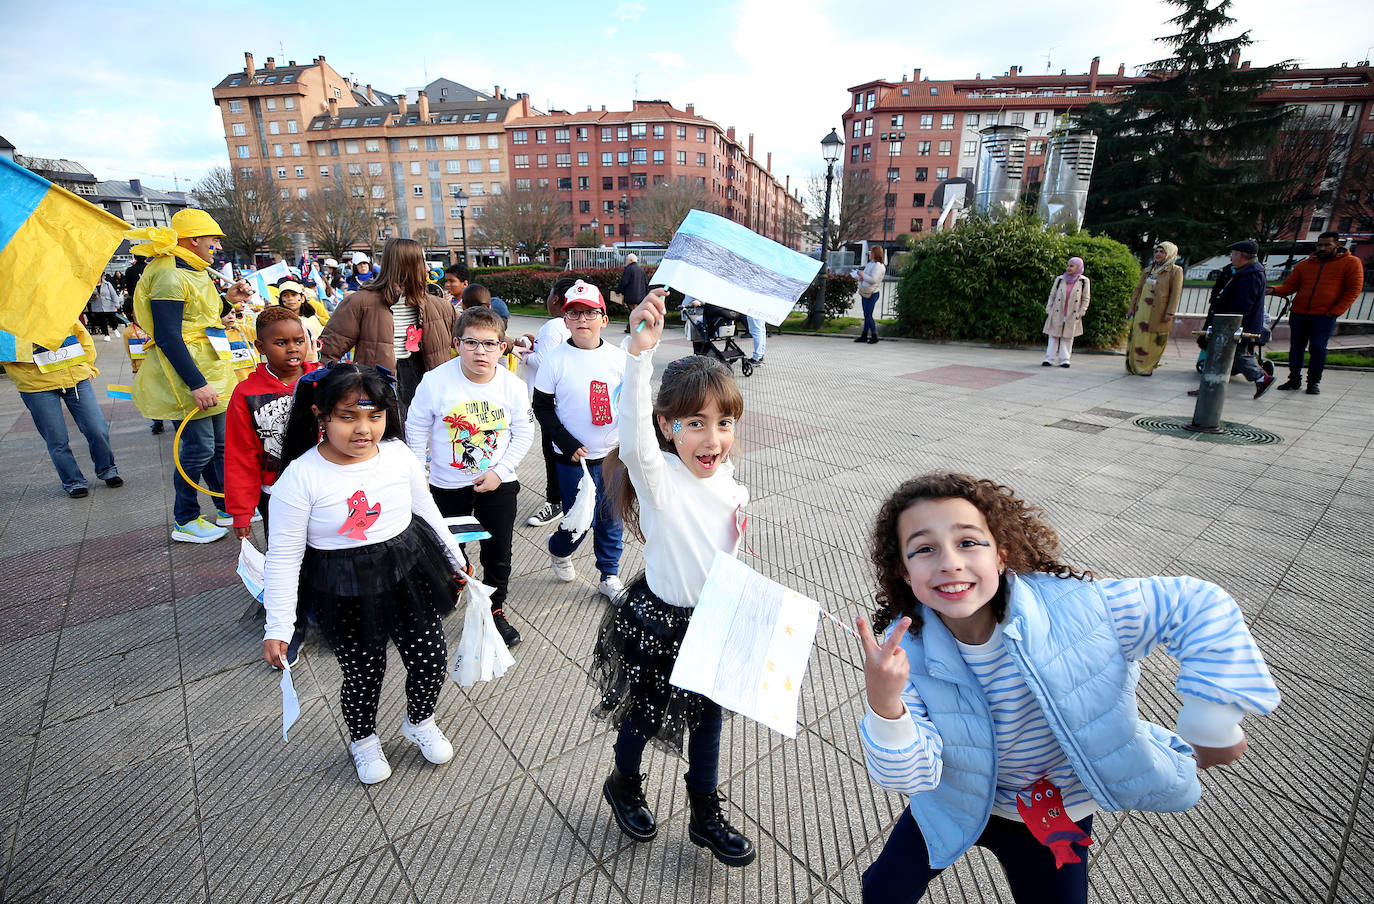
[886, 670]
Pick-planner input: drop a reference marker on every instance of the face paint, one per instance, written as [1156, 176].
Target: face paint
[366, 403]
[677, 427]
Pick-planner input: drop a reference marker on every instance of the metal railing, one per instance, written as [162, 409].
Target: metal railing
[590, 258]
[1194, 301]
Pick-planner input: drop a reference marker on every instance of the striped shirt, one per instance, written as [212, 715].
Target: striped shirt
[402, 317]
[1221, 676]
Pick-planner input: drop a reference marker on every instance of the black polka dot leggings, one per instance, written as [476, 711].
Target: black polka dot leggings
[425, 657]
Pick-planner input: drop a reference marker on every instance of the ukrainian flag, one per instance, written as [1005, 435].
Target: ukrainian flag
[53, 248]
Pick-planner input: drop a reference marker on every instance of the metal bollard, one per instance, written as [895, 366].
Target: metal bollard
[1223, 336]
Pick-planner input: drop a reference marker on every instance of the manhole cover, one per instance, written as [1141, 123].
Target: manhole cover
[1231, 433]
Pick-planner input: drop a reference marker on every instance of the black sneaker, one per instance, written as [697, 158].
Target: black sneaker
[1290, 383]
[115, 482]
[79, 492]
[1312, 389]
[157, 429]
[547, 513]
[505, 628]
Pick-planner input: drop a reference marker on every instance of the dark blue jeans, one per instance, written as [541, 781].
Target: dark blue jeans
[606, 527]
[703, 749]
[202, 457]
[1304, 331]
[902, 871]
[870, 325]
[46, 409]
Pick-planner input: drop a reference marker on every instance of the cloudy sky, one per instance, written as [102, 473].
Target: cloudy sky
[126, 91]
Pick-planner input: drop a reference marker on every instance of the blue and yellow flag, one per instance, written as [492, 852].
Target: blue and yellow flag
[53, 248]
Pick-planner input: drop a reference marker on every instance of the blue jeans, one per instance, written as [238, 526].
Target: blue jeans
[902, 871]
[46, 409]
[758, 331]
[870, 325]
[1308, 330]
[202, 457]
[703, 748]
[606, 527]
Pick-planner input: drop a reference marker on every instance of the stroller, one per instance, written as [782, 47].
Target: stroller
[1264, 363]
[707, 324]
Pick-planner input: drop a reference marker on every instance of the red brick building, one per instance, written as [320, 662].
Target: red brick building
[601, 158]
[941, 121]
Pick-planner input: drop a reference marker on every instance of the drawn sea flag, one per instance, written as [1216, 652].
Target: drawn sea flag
[748, 645]
[731, 266]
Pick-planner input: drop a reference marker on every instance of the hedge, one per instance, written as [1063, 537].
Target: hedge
[988, 281]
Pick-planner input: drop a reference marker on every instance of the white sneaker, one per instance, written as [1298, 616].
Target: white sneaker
[611, 588]
[429, 739]
[563, 568]
[370, 760]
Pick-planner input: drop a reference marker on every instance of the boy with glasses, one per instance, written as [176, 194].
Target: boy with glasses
[471, 418]
[574, 401]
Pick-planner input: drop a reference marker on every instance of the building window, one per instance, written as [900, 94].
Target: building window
[300, 172]
[350, 147]
[1318, 224]
[324, 172]
[853, 154]
[682, 157]
[274, 128]
[659, 130]
[284, 194]
[235, 106]
[927, 120]
[868, 127]
[290, 103]
[419, 212]
[1032, 174]
[415, 167]
[1036, 146]
[682, 132]
[301, 193]
[639, 180]
[658, 157]
[639, 130]
[276, 150]
[918, 199]
[541, 136]
[583, 158]
[561, 135]
[372, 145]
[522, 185]
[608, 158]
[941, 173]
[970, 119]
[291, 127]
[608, 207]
[475, 165]
[701, 159]
[519, 136]
[946, 148]
[541, 160]
[946, 120]
[922, 174]
[607, 183]
[493, 165]
[1018, 119]
[562, 160]
[607, 133]
[870, 100]
[868, 153]
[581, 133]
[584, 183]
[358, 191]
[1042, 118]
[281, 172]
[701, 134]
[915, 224]
[379, 191]
[622, 158]
[454, 166]
[238, 128]
[522, 161]
[374, 169]
[923, 148]
[970, 148]
[418, 191]
[897, 120]
[858, 130]
[858, 102]
[966, 172]
[894, 175]
[584, 206]
[565, 183]
[272, 104]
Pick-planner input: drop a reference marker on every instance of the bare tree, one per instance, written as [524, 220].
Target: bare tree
[659, 212]
[1306, 157]
[856, 207]
[336, 218]
[526, 222]
[427, 237]
[247, 208]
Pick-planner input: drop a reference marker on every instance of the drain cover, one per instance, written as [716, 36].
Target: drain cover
[1231, 433]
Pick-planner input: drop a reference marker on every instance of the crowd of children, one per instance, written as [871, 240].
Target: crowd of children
[999, 688]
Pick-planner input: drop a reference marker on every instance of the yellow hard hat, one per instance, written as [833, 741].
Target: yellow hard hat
[193, 222]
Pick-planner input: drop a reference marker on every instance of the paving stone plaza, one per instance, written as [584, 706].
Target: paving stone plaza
[141, 757]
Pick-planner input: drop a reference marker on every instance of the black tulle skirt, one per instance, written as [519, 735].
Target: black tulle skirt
[368, 593]
[636, 648]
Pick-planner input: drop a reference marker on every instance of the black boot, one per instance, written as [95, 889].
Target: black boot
[1290, 384]
[710, 829]
[625, 794]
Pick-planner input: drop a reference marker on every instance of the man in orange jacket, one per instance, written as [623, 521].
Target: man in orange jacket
[1323, 287]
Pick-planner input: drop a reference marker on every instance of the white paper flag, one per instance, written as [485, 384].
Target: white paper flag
[290, 703]
[250, 568]
[578, 520]
[748, 645]
[481, 653]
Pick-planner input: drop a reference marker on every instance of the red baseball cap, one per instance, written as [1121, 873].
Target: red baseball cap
[584, 294]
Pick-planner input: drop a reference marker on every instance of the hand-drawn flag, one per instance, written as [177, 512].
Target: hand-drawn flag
[117, 391]
[53, 248]
[730, 266]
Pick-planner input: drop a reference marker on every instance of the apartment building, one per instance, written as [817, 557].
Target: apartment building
[916, 132]
[305, 131]
[607, 161]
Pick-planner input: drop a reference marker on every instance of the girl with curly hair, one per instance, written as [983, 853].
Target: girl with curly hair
[1002, 698]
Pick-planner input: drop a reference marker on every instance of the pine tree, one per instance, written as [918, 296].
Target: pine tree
[1181, 156]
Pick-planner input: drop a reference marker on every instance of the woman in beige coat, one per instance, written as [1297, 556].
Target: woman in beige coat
[1152, 310]
[1069, 297]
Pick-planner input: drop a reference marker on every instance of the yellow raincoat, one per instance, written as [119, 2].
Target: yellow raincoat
[158, 392]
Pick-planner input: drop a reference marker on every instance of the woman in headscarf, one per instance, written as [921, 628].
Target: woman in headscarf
[1069, 297]
[1152, 310]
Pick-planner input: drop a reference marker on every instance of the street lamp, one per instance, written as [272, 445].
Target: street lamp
[625, 216]
[894, 144]
[596, 231]
[831, 146]
[460, 201]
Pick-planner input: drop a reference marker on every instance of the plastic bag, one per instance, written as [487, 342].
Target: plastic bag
[578, 520]
[481, 653]
[251, 563]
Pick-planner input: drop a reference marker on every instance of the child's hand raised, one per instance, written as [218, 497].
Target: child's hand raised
[652, 313]
[886, 669]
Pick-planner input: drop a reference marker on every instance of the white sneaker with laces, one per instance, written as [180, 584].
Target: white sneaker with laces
[370, 760]
[563, 568]
[429, 739]
[610, 587]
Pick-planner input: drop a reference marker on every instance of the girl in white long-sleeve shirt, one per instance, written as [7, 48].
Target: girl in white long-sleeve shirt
[678, 493]
[355, 528]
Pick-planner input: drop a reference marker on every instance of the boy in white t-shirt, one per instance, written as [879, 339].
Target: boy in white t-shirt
[575, 395]
[472, 417]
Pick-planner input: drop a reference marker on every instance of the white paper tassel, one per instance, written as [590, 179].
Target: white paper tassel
[481, 653]
[578, 520]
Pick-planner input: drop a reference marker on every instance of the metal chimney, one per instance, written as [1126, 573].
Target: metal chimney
[1001, 165]
[1068, 172]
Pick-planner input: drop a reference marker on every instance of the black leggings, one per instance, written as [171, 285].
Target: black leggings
[364, 664]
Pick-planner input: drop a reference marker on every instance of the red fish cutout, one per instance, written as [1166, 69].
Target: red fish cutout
[413, 334]
[361, 516]
[601, 404]
[1047, 821]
